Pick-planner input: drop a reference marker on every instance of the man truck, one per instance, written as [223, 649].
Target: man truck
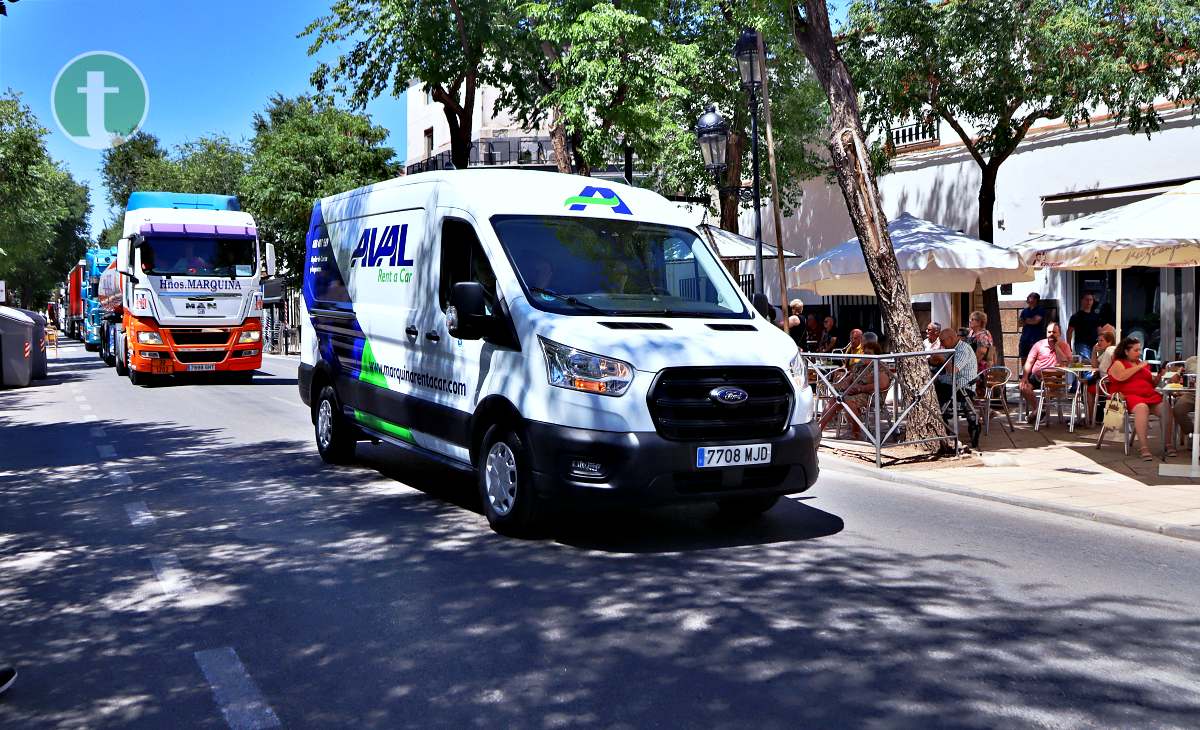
[183, 294]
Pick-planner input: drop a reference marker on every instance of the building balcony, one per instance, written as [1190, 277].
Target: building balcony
[528, 151]
[919, 135]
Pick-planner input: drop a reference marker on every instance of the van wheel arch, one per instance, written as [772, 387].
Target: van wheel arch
[321, 377]
[495, 410]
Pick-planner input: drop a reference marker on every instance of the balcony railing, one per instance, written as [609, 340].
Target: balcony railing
[923, 134]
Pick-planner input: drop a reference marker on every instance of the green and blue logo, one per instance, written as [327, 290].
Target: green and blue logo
[591, 195]
[99, 99]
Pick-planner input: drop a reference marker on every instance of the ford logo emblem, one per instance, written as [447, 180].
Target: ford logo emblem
[728, 395]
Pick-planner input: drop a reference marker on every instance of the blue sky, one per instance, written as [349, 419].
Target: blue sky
[209, 64]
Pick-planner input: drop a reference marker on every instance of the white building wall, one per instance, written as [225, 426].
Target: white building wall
[425, 114]
[942, 185]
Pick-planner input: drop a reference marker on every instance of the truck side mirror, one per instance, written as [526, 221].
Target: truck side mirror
[270, 259]
[467, 317]
[124, 264]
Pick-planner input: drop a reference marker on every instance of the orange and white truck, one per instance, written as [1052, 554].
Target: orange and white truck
[184, 292]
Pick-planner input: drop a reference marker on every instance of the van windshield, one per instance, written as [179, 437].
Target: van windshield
[194, 255]
[632, 268]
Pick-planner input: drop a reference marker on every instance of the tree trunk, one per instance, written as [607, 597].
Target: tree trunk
[730, 202]
[991, 297]
[558, 140]
[857, 180]
[582, 167]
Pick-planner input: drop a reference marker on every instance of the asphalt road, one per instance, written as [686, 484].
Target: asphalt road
[178, 556]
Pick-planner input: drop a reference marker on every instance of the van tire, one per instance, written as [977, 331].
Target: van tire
[510, 502]
[746, 508]
[335, 437]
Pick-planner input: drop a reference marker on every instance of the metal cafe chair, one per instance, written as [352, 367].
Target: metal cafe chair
[1055, 390]
[995, 393]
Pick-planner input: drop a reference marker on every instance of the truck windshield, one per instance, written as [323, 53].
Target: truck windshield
[590, 265]
[191, 255]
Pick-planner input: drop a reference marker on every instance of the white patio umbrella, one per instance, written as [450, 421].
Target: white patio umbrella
[933, 258]
[1163, 231]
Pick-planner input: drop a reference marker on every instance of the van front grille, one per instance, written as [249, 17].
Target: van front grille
[683, 410]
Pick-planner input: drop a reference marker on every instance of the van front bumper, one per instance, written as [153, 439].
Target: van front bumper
[647, 469]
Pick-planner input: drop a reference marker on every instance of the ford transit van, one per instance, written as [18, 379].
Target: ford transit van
[570, 340]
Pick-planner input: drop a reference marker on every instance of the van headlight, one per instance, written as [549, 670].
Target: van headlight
[249, 336]
[149, 338]
[586, 371]
[798, 369]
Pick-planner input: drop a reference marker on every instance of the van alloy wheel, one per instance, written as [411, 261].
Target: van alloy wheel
[325, 424]
[501, 478]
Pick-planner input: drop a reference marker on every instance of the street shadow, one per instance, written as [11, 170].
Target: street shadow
[366, 596]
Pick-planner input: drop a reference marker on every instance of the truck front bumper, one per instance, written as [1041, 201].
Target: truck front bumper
[647, 469]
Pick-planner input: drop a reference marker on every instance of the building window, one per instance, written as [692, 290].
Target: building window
[429, 143]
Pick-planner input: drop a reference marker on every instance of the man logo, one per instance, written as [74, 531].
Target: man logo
[99, 99]
[598, 196]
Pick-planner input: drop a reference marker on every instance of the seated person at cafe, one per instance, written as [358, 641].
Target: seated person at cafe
[1131, 376]
[856, 342]
[1102, 357]
[1052, 352]
[1184, 409]
[933, 335]
[856, 391]
[958, 375]
[829, 338]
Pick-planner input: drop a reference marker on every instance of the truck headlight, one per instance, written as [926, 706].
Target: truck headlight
[249, 336]
[149, 338]
[578, 370]
[798, 369]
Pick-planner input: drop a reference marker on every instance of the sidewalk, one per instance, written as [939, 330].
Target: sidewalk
[1053, 470]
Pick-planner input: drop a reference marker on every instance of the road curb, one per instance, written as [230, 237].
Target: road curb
[1183, 532]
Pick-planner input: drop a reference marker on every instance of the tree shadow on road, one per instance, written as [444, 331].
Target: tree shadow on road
[355, 600]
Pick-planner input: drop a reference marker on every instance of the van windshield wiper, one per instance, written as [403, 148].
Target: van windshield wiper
[567, 298]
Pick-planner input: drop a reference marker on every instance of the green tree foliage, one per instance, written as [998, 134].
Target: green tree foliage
[212, 164]
[121, 167]
[43, 210]
[303, 149]
[452, 48]
[990, 69]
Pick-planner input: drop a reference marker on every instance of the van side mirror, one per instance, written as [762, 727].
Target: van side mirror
[467, 317]
[270, 259]
[123, 259]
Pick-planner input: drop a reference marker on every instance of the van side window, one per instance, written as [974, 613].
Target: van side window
[463, 259]
[327, 282]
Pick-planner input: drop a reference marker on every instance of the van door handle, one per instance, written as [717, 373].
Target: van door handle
[433, 336]
[411, 332]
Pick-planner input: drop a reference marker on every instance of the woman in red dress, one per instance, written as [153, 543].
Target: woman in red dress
[1131, 377]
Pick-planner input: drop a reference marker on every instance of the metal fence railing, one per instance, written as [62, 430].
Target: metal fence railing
[833, 374]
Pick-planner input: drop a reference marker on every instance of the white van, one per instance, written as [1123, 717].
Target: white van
[567, 338]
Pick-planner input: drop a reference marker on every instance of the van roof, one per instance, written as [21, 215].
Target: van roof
[498, 191]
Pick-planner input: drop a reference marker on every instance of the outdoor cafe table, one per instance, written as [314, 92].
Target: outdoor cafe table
[1082, 373]
[1170, 395]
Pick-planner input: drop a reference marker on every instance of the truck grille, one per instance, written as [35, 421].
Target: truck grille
[683, 411]
[198, 356]
[199, 336]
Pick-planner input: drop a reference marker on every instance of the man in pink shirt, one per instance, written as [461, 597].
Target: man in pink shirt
[1052, 352]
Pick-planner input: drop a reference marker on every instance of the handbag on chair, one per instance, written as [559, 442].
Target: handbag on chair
[1114, 413]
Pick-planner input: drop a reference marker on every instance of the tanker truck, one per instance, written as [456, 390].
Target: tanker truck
[184, 295]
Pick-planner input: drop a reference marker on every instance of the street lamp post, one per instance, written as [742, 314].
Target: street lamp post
[746, 52]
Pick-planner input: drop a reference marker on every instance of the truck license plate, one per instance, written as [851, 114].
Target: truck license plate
[708, 457]
[200, 368]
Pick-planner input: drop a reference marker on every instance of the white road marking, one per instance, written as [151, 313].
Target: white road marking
[235, 692]
[84, 407]
[99, 433]
[172, 578]
[289, 402]
[139, 514]
[121, 479]
[80, 398]
[106, 451]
